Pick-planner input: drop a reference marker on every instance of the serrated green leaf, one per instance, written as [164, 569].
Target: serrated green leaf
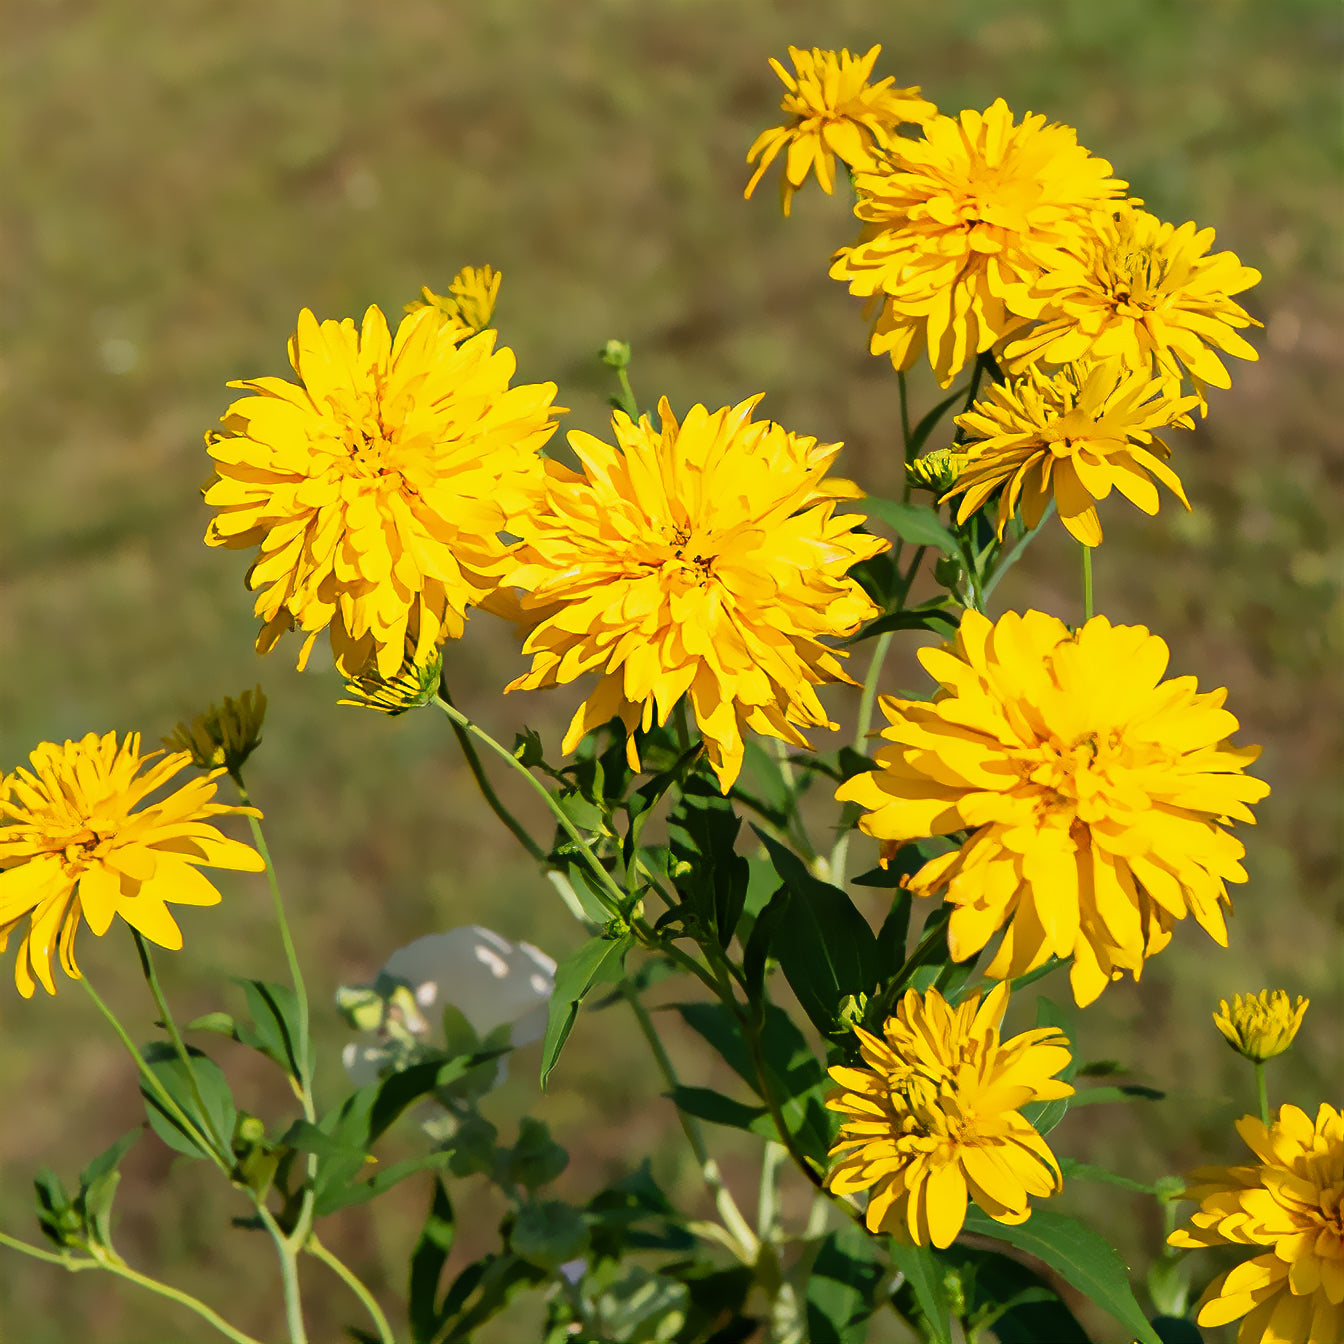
[1084, 1259]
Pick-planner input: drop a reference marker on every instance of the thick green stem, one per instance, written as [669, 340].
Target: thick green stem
[1261, 1092]
[352, 1281]
[286, 1249]
[1087, 582]
[747, 1247]
[618, 898]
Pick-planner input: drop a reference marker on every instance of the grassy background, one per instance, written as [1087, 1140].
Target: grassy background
[178, 184]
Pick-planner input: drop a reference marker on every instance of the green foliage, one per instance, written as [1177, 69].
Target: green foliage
[710, 877]
[841, 1288]
[597, 961]
[200, 1095]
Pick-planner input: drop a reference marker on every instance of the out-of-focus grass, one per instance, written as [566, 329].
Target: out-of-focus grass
[178, 185]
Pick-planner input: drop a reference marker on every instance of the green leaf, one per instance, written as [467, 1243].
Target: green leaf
[925, 427]
[549, 1233]
[427, 1262]
[306, 1137]
[56, 1214]
[1082, 1171]
[360, 1192]
[825, 947]
[598, 959]
[275, 1017]
[97, 1188]
[214, 1123]
[939, 620]
[706, 1104]
[536, 1159]
[1012, 1299]
[841, 1287]
[916, 523]
[1045, 1115]
[757, 951]
[1080, 1255]
[895, 930]
[1174, 1330]
[482, 1290]
[642, 1307]
[713, 879]
[221, 1024]
[1091, 1096]
[926, 1275]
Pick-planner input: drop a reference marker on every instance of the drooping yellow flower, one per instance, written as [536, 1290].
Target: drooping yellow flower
[1262, 1025]
[959, 225]
[1146, 292]
[1073, 435]
[704, 559]
[469, 304]
[1291, 1203]
[835, 114]
[1095, 792]
[376, 488]
[935, 1119]
[224, 735]
[413, 685]
[72, 847]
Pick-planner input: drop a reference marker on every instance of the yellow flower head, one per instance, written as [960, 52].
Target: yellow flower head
[413, 685]
[704, 558]
[957, 226]
[1146, 292]
[224, 735]
[1290, 1202]
[72, 846]
[1262, 1025]
[934, 1120]
[1073, 435]
[835, 114]
[469, 304]
[376, 487]
[1095, 793]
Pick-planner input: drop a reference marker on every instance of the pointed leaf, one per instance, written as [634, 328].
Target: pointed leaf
[926, 1276]
[841, 1287]
[427, 1262]
[598, 959]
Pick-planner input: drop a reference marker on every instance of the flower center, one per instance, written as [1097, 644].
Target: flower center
[1137, 272]
[686, 560]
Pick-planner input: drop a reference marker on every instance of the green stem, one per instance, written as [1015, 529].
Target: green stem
[631, 406]
[905, 411]
[511, 823]
[285, 1249]
[1014, 553]
[304, 1061]
[183, 1299]
[1087, 582]
[747, 1245]
[151, 1079]
[1261, 1092]
[221, 1141]
[617, 897]
[867, 703]
[356, 1286]
[767, 1202]
[41, 1253]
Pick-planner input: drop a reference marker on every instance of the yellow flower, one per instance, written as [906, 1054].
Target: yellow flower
[957, 227]
[413, 685]
[224, 735]
[1075, 435]
[702, 559]
[72, 847]
[1291, 1202]
[1146, 292]
[376, 488]
[1095, 793]
[469, 304]
[1262, 1025]
[935, 1117]
[836, 114]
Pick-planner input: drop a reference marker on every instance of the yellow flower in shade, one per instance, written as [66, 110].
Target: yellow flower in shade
[701, 559]
[1260, 1026]
[1074, 435]
[72, 847]
[935, 1117]
[376, 488]
[1289, 1204]
[1146, 292]
[959, 225]
[1095, 793]
[835, 113]
[224, 735]
[469, 304]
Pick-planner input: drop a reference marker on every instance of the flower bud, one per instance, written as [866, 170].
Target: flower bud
[1260, 1026]
[413, 684]
[936, 471]
[225, 735]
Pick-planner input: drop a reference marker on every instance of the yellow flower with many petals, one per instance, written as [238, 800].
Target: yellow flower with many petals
[1262, 1025]
[1147, 293]
[701, 559]
[1290, 1202]
[469, 304]
[959, 225]
[1074, 436]
[72, 847]
[1095, 793]
[934, 1120]
[376, 488]
[835, 114]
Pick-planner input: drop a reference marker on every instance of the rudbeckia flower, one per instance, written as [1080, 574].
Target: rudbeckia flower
[1095, 795]
[934, 1119]
[469, 303]
[1260, 1026]
[702, 559]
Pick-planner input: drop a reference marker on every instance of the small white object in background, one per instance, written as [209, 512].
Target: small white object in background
[491, 981]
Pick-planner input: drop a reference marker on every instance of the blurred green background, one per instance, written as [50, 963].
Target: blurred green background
[179, 180]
